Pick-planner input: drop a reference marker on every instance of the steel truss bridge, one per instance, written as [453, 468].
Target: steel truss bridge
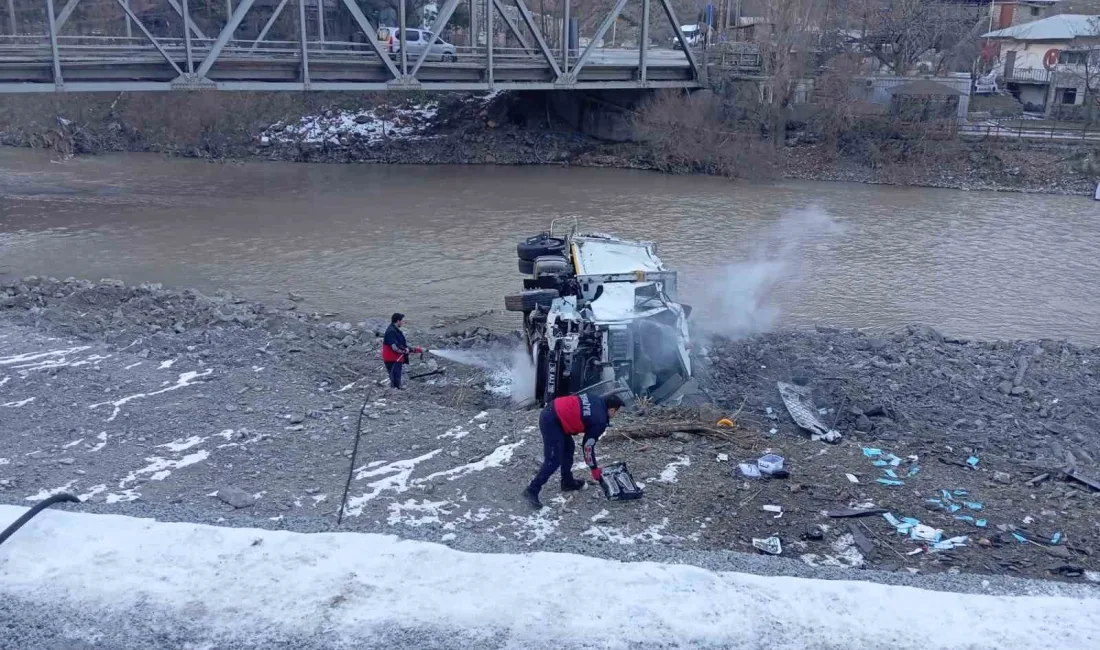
[56, 62]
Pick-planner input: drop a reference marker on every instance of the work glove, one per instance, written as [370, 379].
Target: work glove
[597, 473]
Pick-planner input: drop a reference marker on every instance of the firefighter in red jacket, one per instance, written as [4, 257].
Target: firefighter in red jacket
[562, 419]
[395, 350]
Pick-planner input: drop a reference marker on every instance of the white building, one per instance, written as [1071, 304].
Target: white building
[1047, 62]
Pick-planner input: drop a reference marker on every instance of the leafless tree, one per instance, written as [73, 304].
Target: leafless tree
[900, 33]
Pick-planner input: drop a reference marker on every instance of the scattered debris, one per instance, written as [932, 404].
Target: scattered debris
[725, 422]
[1038, 479]
[852, 478]
[972, 461]
[1002, 477]
[618, 484]
[749, 470]
[771, 545]
[1076, 475]
[799, 402]
[855, 512]
[891, 482]
[862, 541]
[776, 509]
[722, 458]
[770, 463]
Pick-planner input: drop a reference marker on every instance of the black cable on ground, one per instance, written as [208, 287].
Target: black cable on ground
[38, 507]
[354, 453]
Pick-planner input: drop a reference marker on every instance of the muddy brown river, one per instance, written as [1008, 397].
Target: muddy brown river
[366, 240]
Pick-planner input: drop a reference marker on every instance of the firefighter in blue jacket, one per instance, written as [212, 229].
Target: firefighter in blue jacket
[395, 350]
[562, 419]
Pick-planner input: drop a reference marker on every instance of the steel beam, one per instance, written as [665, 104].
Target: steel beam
[529, 20]
[364, 24]
[401, 38]
[512, 26]
[321, 20]
[302, 38]
[129, 25]
[130, 14]
[187, 20]
[270, 22]
[643, 49]
[352, 86]
[227, 33]
[440, 22]
[187, 40]
[57, 79]
[66, 11]
[11, 17]
[565, 36]
[671, 15]
[489, 45]
[604, 26]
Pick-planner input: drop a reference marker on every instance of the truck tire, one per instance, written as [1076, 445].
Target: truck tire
[526, 267]
[530, 300]
[535, 247]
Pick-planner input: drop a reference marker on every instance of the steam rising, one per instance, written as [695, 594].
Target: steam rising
[511, 372]
[743, 298]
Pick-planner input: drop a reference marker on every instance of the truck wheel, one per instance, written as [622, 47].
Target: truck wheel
[526, 267]
[530, 300]
[535, 247]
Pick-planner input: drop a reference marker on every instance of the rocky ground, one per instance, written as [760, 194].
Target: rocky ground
[155, 402]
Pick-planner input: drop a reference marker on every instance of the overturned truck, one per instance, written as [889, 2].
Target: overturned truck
[600, 314]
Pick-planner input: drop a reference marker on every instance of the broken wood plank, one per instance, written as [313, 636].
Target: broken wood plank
[1038, 479]
[1077, 475]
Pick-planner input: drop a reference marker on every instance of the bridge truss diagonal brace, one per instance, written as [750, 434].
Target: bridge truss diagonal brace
[671, 15]
[150, 37]
[223, 37]
[365, 25]
[190, 23]
[604, 26]
[529, 20]
[437, 26]
[512, 26]
[66, 11]
[267, 26]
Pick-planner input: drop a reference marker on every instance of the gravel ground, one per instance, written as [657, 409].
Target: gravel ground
[183, 407]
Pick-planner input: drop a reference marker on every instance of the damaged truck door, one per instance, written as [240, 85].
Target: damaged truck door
[600, 314]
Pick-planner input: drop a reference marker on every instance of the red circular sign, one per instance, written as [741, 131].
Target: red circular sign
[1050, 59]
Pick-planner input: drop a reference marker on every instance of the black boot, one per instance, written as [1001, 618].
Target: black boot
[532, 498]
[571, 484]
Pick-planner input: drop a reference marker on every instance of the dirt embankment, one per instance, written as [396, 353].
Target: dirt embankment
[155, 402]
[505, 129]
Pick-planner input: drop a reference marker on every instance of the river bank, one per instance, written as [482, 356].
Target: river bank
[502, 129]
[214, 409]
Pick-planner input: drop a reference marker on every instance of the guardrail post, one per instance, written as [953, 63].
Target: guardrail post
[53, 44]
[565, 39]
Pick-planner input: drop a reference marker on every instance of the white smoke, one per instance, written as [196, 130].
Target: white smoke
[744, 298]
[511, 373]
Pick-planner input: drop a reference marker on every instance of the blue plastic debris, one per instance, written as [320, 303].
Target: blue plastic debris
[954, 507]
[871, 452]
[891, 473]
[889, 481]
[948, 544]
[880, 463]
[946, 494]
[935, 502]
[981, 523]
[1057, 537]
[960, 493]
[972, 461]
[1020, 538]
[895, 461]
[910, 520]
[964, 518]
[973, 505]
[914, 470]
[891, 518]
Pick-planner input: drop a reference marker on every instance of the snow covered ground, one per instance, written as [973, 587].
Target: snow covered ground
[373, 125]
[201, 586]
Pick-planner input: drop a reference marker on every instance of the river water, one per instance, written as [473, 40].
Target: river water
[366, 240]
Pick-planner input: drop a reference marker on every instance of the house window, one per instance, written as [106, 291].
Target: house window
[1069, 95]
[1034, 11]
[1072, 58]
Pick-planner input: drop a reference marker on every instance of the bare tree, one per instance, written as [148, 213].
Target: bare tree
[789, 50]
[900, 33]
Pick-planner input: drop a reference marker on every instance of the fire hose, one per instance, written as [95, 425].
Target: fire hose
[38, 507]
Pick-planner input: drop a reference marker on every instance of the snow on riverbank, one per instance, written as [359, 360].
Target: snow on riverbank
[372, 125]
[257, 585]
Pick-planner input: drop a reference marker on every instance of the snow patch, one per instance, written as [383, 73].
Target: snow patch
[181, 445]
[668, 474]
[240, 576]
[73, 443]
[42, 360]
[161, 468]
[15, 405]
[45, 494]
[414, 513]
[458, 433]
[652, 534]
[185, 379]
[396, 479]
[536, 527]
[102, 438]
[498, 457]
[373, 125]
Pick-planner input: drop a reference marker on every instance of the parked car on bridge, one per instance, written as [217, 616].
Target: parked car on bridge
[417, 40]
[693, 34]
